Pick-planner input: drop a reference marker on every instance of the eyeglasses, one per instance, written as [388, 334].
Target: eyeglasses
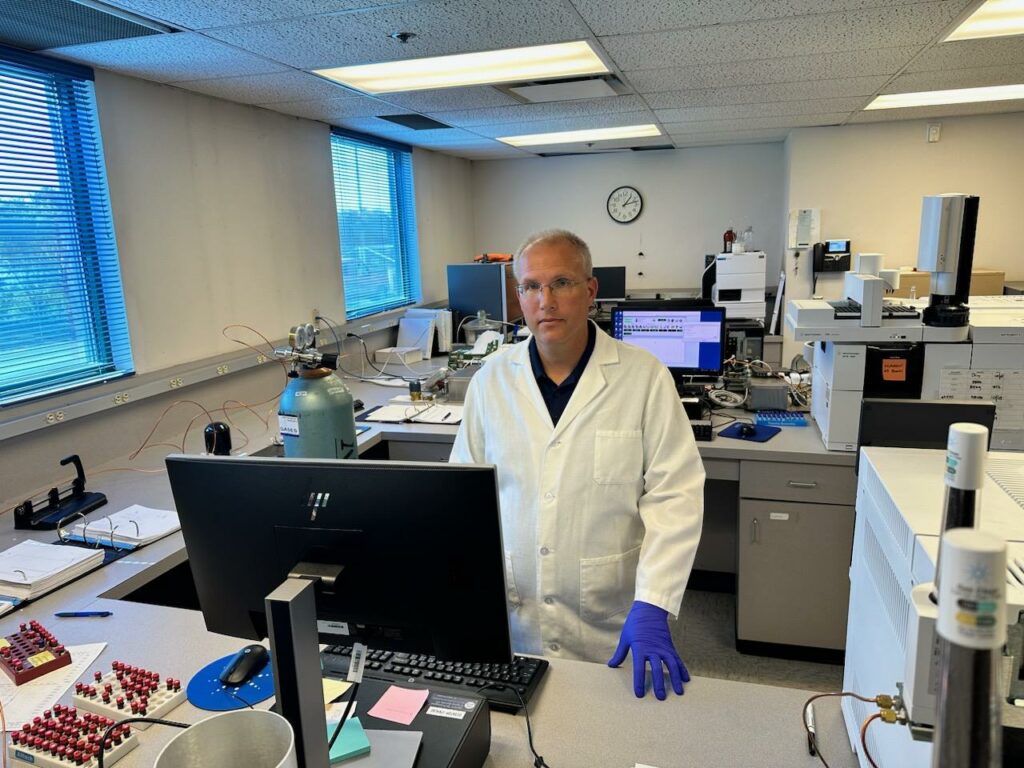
[558, 287]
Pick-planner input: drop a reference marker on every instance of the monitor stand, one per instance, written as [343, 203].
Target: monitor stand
[295, 655]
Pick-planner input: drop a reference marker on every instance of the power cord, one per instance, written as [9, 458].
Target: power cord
[890, 710]
[344, 716]
[538, 760]
[126, 721]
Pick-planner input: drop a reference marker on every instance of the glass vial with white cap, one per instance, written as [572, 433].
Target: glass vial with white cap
[966, 451]
[972, 631]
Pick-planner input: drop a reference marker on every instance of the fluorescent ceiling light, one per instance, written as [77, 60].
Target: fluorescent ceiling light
[538, 62]
[592, 134]
[996, 18]
[957, 96]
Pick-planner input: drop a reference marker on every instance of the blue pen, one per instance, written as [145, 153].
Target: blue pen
[82, 614]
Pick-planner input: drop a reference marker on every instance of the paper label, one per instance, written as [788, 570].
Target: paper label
[41, 658]
[288, 425]
[332, 628]
[452, 707]
[894, 370]
[355, 666]
[778, 515]
[449, 713]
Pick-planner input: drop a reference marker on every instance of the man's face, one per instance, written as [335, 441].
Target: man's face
[556, 317]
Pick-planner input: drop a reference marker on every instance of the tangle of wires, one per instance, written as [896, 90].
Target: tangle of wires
[886, 713]
[538, 760]
[381, 376]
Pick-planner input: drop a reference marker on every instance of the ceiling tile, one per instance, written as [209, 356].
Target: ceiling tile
[992, 52]
[755, 123]
[886, 61]
[168, 58]
[446, 99]
[867, 29]
[444, 27]
[740, 111]
[949, 110]
[753, 94]
[976, 77]
[741, 137]
[203, 14]
[332, 110]
[565, 124]
[292, 85]
[544, 111]
[627, 16]
[382, 128]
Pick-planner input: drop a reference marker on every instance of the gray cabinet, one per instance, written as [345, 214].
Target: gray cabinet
[418, 450]
[794, 539]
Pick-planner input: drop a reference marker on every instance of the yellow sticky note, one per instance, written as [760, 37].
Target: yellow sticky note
[333, 689]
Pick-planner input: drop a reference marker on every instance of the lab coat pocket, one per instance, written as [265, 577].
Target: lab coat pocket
[607, 585]
[618, 456]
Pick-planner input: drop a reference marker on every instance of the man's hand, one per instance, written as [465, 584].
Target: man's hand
[647, 637]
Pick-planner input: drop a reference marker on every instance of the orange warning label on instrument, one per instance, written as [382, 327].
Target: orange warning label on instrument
[894, 370]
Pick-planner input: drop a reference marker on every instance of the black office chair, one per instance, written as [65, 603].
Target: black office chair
[917, 423]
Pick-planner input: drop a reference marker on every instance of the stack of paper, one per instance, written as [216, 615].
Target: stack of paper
[132, 527]
[31, 569]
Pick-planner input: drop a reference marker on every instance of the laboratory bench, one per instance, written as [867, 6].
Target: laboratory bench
[584, 715]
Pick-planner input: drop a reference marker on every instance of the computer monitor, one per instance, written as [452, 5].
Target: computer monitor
[611, 283]
[687, 336]
[419, 544]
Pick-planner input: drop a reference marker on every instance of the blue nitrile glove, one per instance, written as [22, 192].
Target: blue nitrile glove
[646, 635]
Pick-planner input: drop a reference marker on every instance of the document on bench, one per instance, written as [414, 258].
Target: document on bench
[419, 413]
[132, 527]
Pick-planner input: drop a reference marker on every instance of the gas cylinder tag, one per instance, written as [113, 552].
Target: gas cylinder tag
[336, 390]
[355, 666]
[288, 425]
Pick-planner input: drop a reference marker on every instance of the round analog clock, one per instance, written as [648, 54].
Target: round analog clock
[625, 204]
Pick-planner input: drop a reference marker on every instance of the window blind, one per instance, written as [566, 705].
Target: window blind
[62, 317]
[374, 195]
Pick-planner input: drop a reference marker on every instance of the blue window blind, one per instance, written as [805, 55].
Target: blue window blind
[62, 318]
[373, 192]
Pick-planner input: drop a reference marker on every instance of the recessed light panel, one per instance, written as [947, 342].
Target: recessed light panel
[957, 96]
[483, 68]
[592, 134]
[996, 18]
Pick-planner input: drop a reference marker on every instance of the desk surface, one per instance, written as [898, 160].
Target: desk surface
[584, 715]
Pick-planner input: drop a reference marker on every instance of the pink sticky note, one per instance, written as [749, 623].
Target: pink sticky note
[399, 705]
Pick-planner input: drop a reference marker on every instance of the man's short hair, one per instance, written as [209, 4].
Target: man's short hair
[554, 237]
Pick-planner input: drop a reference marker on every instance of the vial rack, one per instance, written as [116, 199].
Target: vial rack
[128, 691]
[31, 652]
[62, 737]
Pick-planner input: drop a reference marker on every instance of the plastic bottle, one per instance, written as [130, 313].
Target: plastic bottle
[727, 240]
[748, 238]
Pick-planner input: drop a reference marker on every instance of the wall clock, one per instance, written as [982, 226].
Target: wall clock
[625, 204]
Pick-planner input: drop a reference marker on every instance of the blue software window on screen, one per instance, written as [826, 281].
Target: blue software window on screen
[688, 341]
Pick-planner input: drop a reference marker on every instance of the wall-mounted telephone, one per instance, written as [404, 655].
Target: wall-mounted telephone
[831, 256]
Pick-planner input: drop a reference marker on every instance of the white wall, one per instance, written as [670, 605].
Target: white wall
[691, 196]
[224, 213]
[869, 180]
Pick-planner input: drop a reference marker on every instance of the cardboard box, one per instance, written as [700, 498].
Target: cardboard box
[984, 282]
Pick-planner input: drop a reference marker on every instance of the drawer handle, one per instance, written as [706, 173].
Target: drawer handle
[797, 484]
[755, 531]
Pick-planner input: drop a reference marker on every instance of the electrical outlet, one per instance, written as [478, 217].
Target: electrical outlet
[934, 132]
[54, 417]
[176, 382]
[222, 369]
[121, 398]
[316, 314]
[261, 359]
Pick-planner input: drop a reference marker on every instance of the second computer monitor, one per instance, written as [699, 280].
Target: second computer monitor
[611, 283]
[689, 339]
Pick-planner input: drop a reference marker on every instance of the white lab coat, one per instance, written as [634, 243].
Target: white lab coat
[604, 508]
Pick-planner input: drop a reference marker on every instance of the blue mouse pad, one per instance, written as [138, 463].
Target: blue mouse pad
[206, 691]
[761, 434]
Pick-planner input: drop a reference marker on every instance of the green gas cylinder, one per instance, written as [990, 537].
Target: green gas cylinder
[316, 418]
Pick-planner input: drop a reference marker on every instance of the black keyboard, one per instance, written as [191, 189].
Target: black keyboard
[502, 681]
[702, 431]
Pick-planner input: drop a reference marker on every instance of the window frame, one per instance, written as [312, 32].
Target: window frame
[402, 191]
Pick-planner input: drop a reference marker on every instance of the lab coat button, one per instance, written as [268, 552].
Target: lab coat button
[549, 600]
[553, 647]
[549, 495]
[545, 551]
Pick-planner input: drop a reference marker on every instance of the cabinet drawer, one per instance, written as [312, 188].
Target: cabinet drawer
[817, 483]
[414, 450]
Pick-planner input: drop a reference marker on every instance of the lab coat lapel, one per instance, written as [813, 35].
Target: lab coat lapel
[591, 382]
[526, 383]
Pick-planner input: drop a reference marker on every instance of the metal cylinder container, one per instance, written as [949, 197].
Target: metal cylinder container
[244, 738]
[316, 418]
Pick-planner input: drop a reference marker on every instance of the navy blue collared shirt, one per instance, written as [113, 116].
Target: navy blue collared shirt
[557, 396]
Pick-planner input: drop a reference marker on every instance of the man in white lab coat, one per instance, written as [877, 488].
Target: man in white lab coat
[600, 482]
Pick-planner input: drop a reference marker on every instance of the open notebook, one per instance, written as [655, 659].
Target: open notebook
[132, 527]
[420, 413]
[30, 569]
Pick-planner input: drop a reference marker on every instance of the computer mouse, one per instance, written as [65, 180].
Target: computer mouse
[244, 665]
[358, 405]
[747, 430]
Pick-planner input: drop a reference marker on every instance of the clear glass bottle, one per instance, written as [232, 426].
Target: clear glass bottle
[748, 238]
